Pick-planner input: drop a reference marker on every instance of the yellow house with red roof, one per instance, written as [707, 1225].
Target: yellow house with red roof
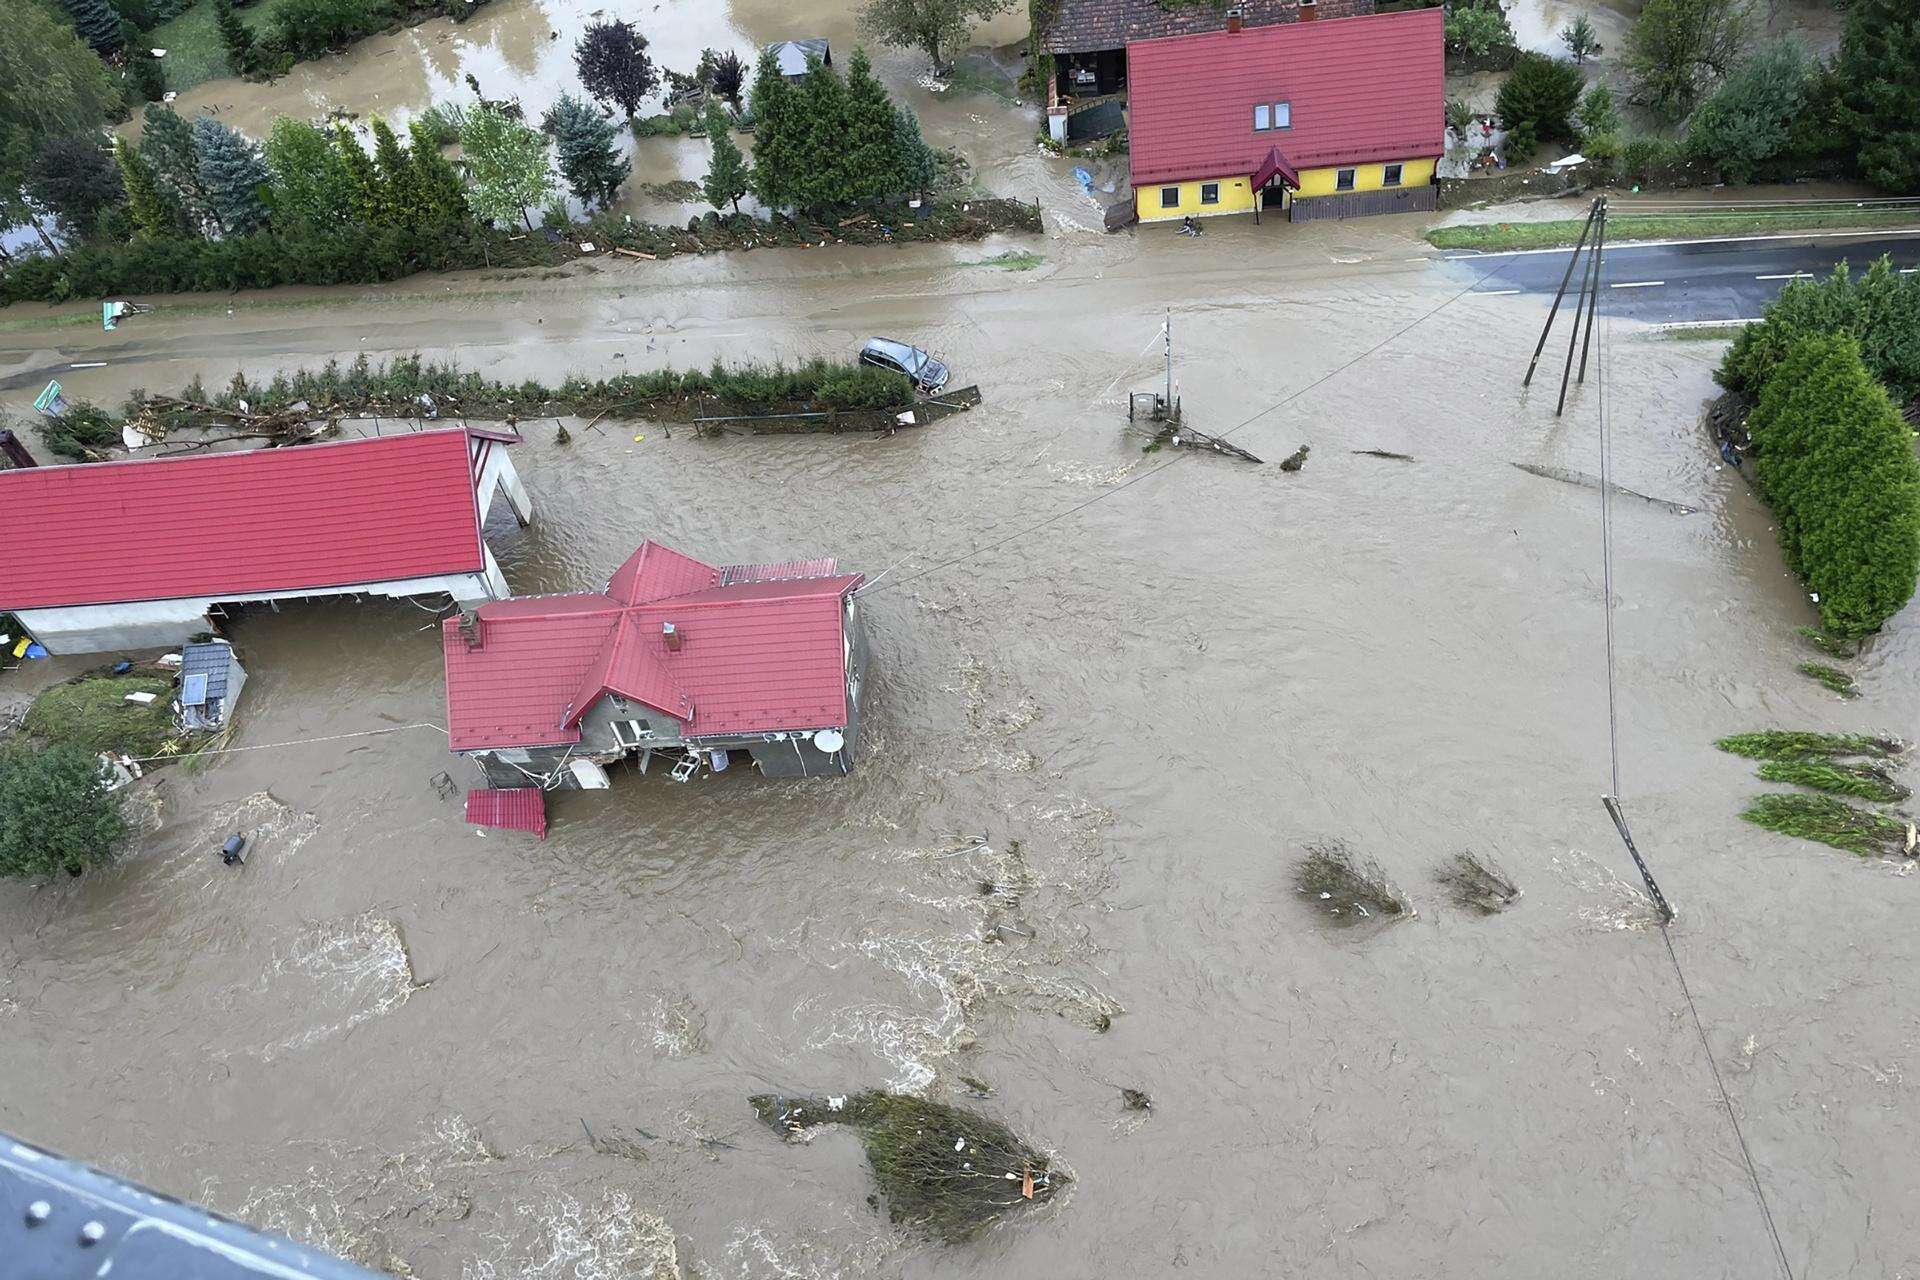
[1333, 118]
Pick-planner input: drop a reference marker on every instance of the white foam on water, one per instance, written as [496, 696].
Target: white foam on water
[559, 1237]
[755, 1252]
[679, 1027]
[1612, 904]
[343, 973]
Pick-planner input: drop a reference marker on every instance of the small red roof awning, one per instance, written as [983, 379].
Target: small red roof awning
[1275, 164]
[511, 809]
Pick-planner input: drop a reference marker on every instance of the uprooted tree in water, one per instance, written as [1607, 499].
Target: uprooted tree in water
[942, 1169]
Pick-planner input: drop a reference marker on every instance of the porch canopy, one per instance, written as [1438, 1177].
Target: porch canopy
[1275, 165]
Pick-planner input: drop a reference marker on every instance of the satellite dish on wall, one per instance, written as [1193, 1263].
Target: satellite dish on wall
[829, 740]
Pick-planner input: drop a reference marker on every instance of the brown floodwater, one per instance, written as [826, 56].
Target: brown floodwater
[1149, 682]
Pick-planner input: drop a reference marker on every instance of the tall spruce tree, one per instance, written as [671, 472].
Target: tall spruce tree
[583, 141]
[442, 191]
[311, 191]
[869, 157]
[821, 107]
[233, 172]
[98, 24]
[154, 213]
[1877, 73]
[727, 176]
[919, 167]
[166, 144]
[776, 136]
[235, 37]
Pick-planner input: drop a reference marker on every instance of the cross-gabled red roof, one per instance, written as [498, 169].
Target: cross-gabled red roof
[762, 649]
[235, 525]
[1360, 90]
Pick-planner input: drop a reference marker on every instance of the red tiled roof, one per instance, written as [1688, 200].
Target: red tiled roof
[510, 808]
[233, 525]
[1360, 90]
[1086, 26]
[754, 656]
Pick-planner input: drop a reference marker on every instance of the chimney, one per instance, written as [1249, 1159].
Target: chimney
[470, 629]
[1233, 19]
[670, 634]
[1309, 10]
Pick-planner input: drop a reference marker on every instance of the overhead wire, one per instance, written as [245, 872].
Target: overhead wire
[1603, 378]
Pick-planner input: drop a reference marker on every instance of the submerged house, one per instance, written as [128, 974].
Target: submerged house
[1326, 119]
[700, 665]
[138, 554]
[1089, 41]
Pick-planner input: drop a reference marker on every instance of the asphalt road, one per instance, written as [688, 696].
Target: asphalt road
[1700, 280]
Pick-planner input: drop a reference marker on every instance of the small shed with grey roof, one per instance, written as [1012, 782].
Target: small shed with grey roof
[210, 682]
[791, 55]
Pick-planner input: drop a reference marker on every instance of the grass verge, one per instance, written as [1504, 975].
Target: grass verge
[1659, 226]
[194, 52]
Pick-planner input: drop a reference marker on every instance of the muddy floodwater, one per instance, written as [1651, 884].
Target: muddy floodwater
[1149, 680]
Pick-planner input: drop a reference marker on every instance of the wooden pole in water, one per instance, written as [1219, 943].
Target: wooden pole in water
[1540, 346]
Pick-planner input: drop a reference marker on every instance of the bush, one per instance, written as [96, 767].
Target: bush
[55, 812]
[1881, 310]
[1540, 93]
[865, 387]
[1596, 112]
[1836, 462]
[1480, 35]
[1748, 121]
[1654, 161]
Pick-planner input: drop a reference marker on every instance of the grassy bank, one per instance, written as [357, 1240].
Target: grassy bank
[1662, 226]
[93, 714]
[194, 52]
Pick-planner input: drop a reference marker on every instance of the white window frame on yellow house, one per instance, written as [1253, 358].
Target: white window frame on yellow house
[1391, 174]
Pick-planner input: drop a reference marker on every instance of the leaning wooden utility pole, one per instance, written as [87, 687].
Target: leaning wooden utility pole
[1593, 216]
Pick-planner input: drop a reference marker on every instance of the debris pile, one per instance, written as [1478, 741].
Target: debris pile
[942, 1169]
[1348, 887]
[1476, 884]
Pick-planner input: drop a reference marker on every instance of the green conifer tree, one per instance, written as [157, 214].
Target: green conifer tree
[368, 201]
[235, 37]
[869, 155]
[727, 176]
[311, 191]
[167, 145]
[776, 148]
[442, 191]
[584, 144]
[233, 173]
[153, 211]
[98, 24]
[401, 204]
[919, 167]
[821, 173]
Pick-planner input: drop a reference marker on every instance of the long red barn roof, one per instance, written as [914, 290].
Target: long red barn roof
[1361, 90]
[762, 649]
[234, 525]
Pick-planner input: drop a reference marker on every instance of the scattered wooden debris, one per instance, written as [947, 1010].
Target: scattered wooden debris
[1476, 884]
[1181, 437]
[1385, 453]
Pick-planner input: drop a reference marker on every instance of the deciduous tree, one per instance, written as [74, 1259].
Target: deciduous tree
[56, 813]
[1581, 39]
[584, 143]
[233, 173]
[51, 86]
[311, 191]
[1749, 119]
[1596, 115]
[508, 165]
[613, 65]
[727, 176]
[932, 26]
[1679, 48]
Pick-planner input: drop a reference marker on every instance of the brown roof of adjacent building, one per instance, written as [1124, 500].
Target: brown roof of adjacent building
[1081, 26]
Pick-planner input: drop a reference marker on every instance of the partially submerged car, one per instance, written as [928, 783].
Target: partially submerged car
[928, 374]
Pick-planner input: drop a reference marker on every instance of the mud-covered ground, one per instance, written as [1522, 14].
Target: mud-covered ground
[1162, 676]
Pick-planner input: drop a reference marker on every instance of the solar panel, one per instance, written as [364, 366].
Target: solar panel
[193, 690]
